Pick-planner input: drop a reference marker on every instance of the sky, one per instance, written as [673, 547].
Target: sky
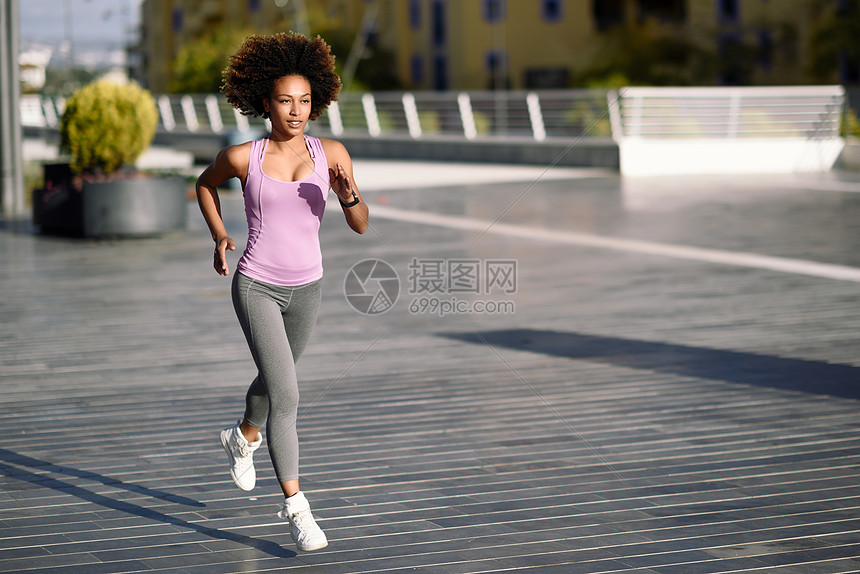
[97, 30]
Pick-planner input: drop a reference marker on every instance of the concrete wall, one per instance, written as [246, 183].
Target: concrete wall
[585, 152]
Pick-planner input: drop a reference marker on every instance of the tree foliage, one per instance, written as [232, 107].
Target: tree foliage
[198, 66]
[641, 55]
[377, 68]
[835, 39]
[199, 63]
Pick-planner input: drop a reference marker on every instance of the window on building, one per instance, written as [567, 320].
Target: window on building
[415, 14]
[765, 50]
[849, 69]
[177, 20]
[607, 13]
[736, 63]
[849, 61]
[666, 11]
[551, 10]
[371, 38]
[440, 73]
[416, 70]
[728, 10]
[494, 61]
[494, 10]
[439, 31]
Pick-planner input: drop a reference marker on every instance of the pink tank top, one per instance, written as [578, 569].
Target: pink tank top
[284, 220]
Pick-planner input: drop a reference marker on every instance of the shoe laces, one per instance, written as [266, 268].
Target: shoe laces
[241, 447]
[304, 522]
[284, 512]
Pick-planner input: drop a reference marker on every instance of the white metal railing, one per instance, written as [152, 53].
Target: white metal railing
[708, 113]
[668, 113]
[534, 115]
[727, 130]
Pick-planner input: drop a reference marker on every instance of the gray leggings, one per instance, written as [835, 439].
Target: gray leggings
[277, 322]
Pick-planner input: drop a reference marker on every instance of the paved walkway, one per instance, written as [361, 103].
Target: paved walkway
[656, 375]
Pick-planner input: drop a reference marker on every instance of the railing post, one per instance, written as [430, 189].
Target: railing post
[836, 111]
[242, 124]
[189, 113]
[636, 117]
[51, 119]
[410, 110]
[466, 116]
[214, 113]
[166, 113]
[734, 114]
[334, 118]
[368, 103]
[535, 116]
[613, 103]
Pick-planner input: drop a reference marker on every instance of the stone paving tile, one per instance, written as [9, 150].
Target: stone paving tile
[68, 561]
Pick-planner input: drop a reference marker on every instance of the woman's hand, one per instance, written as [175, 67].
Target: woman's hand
[341, 183]
[231, 161]
[221, 248]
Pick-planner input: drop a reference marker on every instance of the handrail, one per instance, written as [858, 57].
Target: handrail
[727, 130]
[790, 112]
[536, 115]
[639, 112]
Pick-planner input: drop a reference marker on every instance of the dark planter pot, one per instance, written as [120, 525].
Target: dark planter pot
[123, 208]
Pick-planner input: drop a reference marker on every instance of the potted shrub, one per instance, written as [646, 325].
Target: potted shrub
[105, 127]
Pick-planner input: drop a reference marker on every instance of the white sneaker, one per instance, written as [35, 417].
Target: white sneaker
[241, 455]
[303, 528]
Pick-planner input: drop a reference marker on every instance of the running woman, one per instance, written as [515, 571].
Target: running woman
[286, 177]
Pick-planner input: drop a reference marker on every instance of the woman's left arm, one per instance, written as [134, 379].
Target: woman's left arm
[343, 183]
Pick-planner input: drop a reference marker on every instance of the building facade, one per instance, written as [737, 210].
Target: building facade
[480, 44]
[519, 44]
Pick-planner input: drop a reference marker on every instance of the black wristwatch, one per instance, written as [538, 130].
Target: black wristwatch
[354, 201]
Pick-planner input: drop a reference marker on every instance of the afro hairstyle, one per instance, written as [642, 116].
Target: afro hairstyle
[261, 60]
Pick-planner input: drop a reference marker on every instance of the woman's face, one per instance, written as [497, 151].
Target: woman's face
[289, 105]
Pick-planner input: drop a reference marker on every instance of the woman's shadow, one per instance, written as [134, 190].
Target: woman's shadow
[36, 471]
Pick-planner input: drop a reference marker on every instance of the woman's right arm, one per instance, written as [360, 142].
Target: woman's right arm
[228, 163]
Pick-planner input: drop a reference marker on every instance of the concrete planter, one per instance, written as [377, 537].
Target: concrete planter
[123, 208]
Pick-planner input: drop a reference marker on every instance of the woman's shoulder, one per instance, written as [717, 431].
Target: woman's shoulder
[333, 149]
[234, 159]
[236, 154]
